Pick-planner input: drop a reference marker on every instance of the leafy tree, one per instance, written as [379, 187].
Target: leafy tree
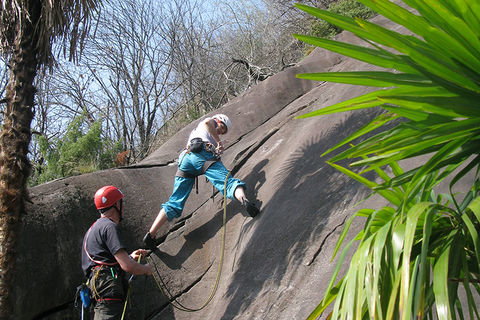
[417, 253]
[347, 8]
[81, 150]
[28, 29]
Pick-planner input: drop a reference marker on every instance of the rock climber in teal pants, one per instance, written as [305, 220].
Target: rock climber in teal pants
[201, 157]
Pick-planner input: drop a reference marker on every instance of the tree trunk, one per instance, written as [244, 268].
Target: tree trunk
[15, 167]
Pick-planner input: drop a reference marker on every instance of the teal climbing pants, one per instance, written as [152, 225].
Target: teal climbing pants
[192, 163]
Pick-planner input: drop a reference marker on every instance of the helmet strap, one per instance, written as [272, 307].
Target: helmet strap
[102, 211]
[120, 211]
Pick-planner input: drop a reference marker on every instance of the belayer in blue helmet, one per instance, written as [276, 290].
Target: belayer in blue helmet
[201, 156]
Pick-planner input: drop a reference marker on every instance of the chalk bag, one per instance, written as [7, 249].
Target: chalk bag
[84, 293]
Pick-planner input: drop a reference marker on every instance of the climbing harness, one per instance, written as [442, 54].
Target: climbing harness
[94, 293]
[97, 271]
[196, 146]
[161, 284]
[206, 165]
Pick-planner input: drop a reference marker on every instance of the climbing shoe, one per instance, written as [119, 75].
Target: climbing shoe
[149, 242]
[251, 209]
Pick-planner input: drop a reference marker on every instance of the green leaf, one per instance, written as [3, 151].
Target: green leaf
[327, 300]
[393, 301]
[394, 12]
[474, 163]
[441, 17]
[343, 22]
[450, 107]
[473, 312]
[400, 147]
[332, 289]
[444, 40]
[371, 99]
[396, 169]
[438, 157]
[440, 285]
[423, 57]
[342, 236]
[380, 245]
[387, 194]
[416, 114]
[373, 125]
[379, 58]
[398, 241]
[423, 266]
[475, 208]
[468, 11]
[410, 230]
[473, 233]
[369, 78]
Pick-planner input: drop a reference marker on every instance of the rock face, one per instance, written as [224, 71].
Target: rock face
[276, 265]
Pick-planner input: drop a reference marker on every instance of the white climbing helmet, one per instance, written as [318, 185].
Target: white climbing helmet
[223, 118]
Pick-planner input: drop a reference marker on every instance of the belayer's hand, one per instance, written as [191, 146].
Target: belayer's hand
[137, 254]
[149, 242]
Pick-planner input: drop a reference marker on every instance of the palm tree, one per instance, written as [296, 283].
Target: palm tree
[415, 255]
[28, 30]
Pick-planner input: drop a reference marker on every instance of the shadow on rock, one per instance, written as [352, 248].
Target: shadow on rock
[308, 192]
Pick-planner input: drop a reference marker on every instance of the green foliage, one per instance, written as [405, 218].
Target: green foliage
[412, 256]
[80, 150]
[348, 8]
[416, 254]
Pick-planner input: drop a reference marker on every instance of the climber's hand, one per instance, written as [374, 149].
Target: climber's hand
[219, 149]
[149, 242]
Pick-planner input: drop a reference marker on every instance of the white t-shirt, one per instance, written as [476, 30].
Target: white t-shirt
[201, 132]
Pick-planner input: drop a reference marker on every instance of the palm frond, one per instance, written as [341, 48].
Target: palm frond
[67, 21]
[414, 255]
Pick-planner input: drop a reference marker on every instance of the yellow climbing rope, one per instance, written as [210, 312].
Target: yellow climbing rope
[128, 291]
[161, 284]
